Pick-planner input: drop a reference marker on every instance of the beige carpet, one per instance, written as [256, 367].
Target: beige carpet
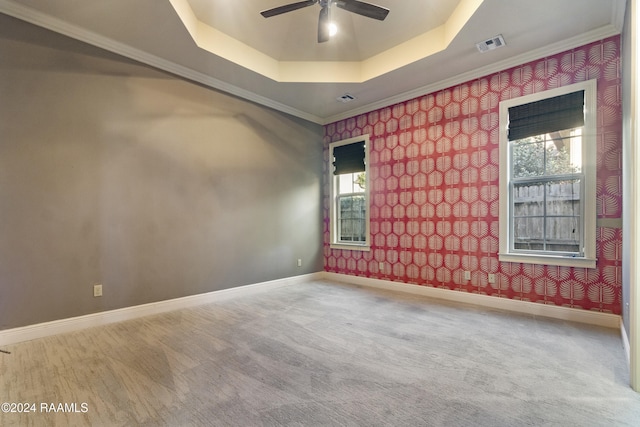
[324, 354]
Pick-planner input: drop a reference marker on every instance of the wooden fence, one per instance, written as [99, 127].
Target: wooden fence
[563, 216]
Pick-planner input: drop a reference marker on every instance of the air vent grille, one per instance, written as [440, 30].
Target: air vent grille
[491, 44]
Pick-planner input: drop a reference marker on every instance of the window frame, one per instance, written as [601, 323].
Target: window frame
[333, 209]
[587, 198]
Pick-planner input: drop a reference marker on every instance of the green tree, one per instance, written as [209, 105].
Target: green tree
[536, 156]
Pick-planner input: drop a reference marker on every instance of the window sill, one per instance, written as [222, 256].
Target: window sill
[563, 261]
[350, 246]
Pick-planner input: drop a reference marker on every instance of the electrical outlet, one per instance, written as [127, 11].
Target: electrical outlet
[467, 275]
[299, 262]
[491, 278]
[381, 266]
[97, 290]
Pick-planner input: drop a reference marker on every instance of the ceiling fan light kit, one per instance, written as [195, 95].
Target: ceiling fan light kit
[354, 6]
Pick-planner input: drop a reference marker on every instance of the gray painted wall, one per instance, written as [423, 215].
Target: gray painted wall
[114, 173]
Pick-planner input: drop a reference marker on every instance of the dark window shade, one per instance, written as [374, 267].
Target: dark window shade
[348, 158]
[545, 116]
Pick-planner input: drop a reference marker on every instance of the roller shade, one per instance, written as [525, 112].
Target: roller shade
[548, 115]
[348, 158]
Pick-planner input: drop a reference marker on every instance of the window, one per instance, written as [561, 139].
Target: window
[548, 177]
[349, 215]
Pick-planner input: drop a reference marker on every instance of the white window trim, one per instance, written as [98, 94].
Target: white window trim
[333, 214]
[589, 146]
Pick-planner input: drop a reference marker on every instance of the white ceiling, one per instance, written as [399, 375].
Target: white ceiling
[422, 46]
[292, 36]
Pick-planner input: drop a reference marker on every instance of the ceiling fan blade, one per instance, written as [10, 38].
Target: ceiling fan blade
[323, 25]
[365, 9]
[287, 8]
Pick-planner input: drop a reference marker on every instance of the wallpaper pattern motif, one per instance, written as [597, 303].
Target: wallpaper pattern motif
[434, 187]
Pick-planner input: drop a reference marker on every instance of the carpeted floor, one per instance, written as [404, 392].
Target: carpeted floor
[324, 354]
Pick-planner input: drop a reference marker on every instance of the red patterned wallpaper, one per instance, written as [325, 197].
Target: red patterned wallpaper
[434, 187]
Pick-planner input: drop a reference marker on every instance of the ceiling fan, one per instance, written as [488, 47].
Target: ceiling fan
[361, 8]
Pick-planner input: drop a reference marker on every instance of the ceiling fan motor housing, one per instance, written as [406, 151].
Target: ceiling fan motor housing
[354, 6]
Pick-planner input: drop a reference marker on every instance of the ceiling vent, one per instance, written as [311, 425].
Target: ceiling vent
[346, 98]
[491, 44]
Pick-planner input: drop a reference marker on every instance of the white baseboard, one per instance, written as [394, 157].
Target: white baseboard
[41, 330]
[553, 311]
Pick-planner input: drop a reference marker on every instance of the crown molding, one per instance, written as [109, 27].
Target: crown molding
[552, 49]
[415, 49]
[16, 10]
[40, 19]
